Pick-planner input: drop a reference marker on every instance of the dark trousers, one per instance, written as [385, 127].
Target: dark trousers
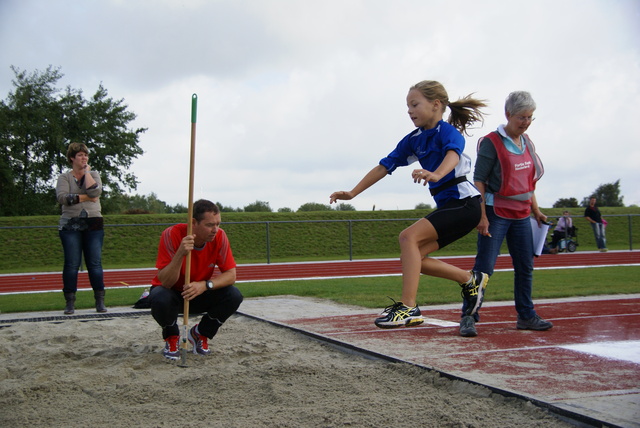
[215, 305]
[74, 244]
[520, 243]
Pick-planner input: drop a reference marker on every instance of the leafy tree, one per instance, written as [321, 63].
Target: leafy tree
[38, 121]
[423, 206]
[345, 207]
[135, 204]
[149, 203]
[314, 206]
[285, 210]
[608, 195]
[566, 203]
[258, 206]
[224, 209]
[177, 209]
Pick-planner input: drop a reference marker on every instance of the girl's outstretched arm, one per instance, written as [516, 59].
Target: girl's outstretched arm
[372, 177]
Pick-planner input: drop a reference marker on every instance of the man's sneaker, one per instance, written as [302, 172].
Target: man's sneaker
[171, 349]
[200, 343]
[468, 326]
[473, 291]
[535, 323]
[398, 315]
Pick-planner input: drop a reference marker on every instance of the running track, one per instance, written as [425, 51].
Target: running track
[52, 281]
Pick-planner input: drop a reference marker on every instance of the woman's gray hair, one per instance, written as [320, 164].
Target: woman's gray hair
[519, 101]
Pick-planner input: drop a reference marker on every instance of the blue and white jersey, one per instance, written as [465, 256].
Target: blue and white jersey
[429, 147]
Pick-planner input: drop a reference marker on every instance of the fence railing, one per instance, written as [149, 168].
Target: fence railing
[266, 241]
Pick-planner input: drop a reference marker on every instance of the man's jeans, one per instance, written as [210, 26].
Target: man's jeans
[519, 238]
[217, 305]
[598, 233]
[74, 244]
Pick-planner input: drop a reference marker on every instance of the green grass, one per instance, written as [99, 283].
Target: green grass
[131, 241]
[373, 292]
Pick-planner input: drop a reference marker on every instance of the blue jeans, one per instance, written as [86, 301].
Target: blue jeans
[520, 243]
[216, 305]
[598, 233]
[74, 244]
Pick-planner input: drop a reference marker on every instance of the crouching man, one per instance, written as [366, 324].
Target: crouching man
[215, 297]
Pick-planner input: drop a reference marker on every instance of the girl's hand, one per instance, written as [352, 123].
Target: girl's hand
[343, 195]
[422, 174]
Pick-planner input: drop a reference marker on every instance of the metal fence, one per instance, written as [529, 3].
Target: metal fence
[269, 241]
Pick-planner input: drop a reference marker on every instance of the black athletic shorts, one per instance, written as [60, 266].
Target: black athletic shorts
[455, 219]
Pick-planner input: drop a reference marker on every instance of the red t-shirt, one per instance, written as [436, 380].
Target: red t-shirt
[203, 260]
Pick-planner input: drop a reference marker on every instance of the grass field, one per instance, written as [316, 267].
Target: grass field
[31, 244]
[373, 292]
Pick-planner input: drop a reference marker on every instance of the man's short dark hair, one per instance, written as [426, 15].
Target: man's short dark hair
[202, 206]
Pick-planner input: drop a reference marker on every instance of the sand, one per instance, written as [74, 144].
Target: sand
[111, 373]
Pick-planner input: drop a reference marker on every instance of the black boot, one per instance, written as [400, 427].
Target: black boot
[99, 296]
[70, 298]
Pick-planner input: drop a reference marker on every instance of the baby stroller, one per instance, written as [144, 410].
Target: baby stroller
[565, 241]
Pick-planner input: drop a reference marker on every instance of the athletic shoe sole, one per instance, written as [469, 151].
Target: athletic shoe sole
[407, 322]
[171, 357]
[543, 327]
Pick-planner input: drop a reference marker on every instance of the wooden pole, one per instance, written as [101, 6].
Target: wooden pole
[187, 267]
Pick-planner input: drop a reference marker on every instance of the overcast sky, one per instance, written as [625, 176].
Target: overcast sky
[300, 98]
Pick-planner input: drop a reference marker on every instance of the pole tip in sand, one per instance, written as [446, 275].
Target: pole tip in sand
[183, 358]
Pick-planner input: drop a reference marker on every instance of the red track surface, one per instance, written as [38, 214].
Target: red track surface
[529, 363]
[38, 282]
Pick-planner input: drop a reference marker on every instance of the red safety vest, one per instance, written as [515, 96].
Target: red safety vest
[520, 172]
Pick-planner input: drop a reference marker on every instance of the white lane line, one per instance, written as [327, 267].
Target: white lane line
[625, 350]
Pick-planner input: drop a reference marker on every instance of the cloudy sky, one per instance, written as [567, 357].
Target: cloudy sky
[299, 98]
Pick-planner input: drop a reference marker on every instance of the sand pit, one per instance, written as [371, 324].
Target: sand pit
[110, 373]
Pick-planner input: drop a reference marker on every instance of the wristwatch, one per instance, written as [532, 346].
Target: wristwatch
[209, 284]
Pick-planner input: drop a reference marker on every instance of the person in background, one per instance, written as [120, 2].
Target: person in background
[593, 216]
[560, 232]
[506, 171]
[81, 227]
[438, 147]
[215, 297]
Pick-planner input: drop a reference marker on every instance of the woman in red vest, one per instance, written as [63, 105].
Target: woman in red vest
[506, 171]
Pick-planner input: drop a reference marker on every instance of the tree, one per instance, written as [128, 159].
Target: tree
[423, 206]
[258, 206]
[345, 207]
[178, 209]
[314, 206]
[119, 203]
[224, 209]
[566, 203]
[38, 121]
[607, 195]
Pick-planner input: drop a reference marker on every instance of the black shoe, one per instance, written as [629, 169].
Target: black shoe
[468, 326]
[535, 323]
[473, 291]
[399, 315]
